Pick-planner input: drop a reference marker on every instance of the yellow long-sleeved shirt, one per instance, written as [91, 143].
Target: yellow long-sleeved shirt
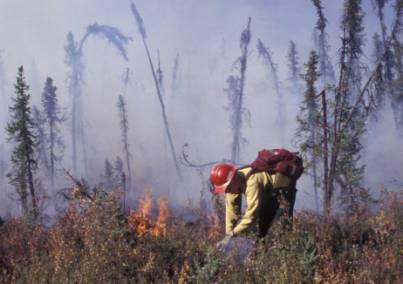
[252, 188]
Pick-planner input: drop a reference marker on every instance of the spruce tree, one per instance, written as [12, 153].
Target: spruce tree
[108, 176]
[124, 127]
[327, 76]
[309, 122]
[353, 38]
[388, 59]
[20, 130]
[41, 138]
[348, 167]
[52, 118]
[293, 67]
[377, 53]
[397, 83]
[344, 129]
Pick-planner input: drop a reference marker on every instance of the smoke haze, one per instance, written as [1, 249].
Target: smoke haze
[206, 36]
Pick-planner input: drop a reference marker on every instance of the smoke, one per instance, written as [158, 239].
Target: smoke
[264, 52]
[202, 32]
[3, 97]
[157, 76]
[74, 61]
[175, 76]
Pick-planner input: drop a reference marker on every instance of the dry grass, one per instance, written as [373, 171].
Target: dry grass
[93, 243]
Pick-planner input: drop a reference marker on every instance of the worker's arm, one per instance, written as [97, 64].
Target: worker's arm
[252, 193]
[233, 203]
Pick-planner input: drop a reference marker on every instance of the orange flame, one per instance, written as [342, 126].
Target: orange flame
[161, 223]
[140, 220]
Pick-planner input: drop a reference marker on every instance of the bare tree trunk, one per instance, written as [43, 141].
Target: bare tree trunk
[236, 144]
[31, 182]
[124, 191]
[52, 157]
[315, 174]
[74, 133]
[326, 185]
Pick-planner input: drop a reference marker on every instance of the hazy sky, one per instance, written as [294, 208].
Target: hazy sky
[205, 33]
[37, 29]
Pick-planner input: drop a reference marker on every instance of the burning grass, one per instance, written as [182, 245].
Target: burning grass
[94, 242]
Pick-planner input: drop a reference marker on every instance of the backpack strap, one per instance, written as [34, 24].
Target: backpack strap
[251, 172]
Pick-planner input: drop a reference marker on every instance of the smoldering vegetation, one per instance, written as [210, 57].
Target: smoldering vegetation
[107, 165]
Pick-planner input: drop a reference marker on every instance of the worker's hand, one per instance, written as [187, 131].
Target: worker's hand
[224, 242]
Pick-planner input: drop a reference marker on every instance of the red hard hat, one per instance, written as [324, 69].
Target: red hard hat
[221, 176]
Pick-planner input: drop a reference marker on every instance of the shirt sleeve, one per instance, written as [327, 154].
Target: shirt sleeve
[252, 193]
[233, 203]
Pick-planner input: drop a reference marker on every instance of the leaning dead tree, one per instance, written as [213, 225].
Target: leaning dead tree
[157, 81]
[265, 54]
[74, 54]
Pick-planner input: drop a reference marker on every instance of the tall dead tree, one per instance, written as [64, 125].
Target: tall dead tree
[142, 31]
[124, 127]
[160, 74]
[235, 93]
[126, 80]
[74, 53]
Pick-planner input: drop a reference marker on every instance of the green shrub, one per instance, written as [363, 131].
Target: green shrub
[92, 242]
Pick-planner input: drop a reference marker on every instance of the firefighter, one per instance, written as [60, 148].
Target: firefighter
[264, 194]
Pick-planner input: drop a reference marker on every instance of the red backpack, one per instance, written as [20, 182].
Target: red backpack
[278, 161]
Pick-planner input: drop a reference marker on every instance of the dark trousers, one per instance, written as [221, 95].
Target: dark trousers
[272, 200]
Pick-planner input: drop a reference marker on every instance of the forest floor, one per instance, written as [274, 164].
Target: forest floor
[92, 242]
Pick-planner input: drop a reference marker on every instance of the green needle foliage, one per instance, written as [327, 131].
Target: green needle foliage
[20, 131]
[309, 122]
